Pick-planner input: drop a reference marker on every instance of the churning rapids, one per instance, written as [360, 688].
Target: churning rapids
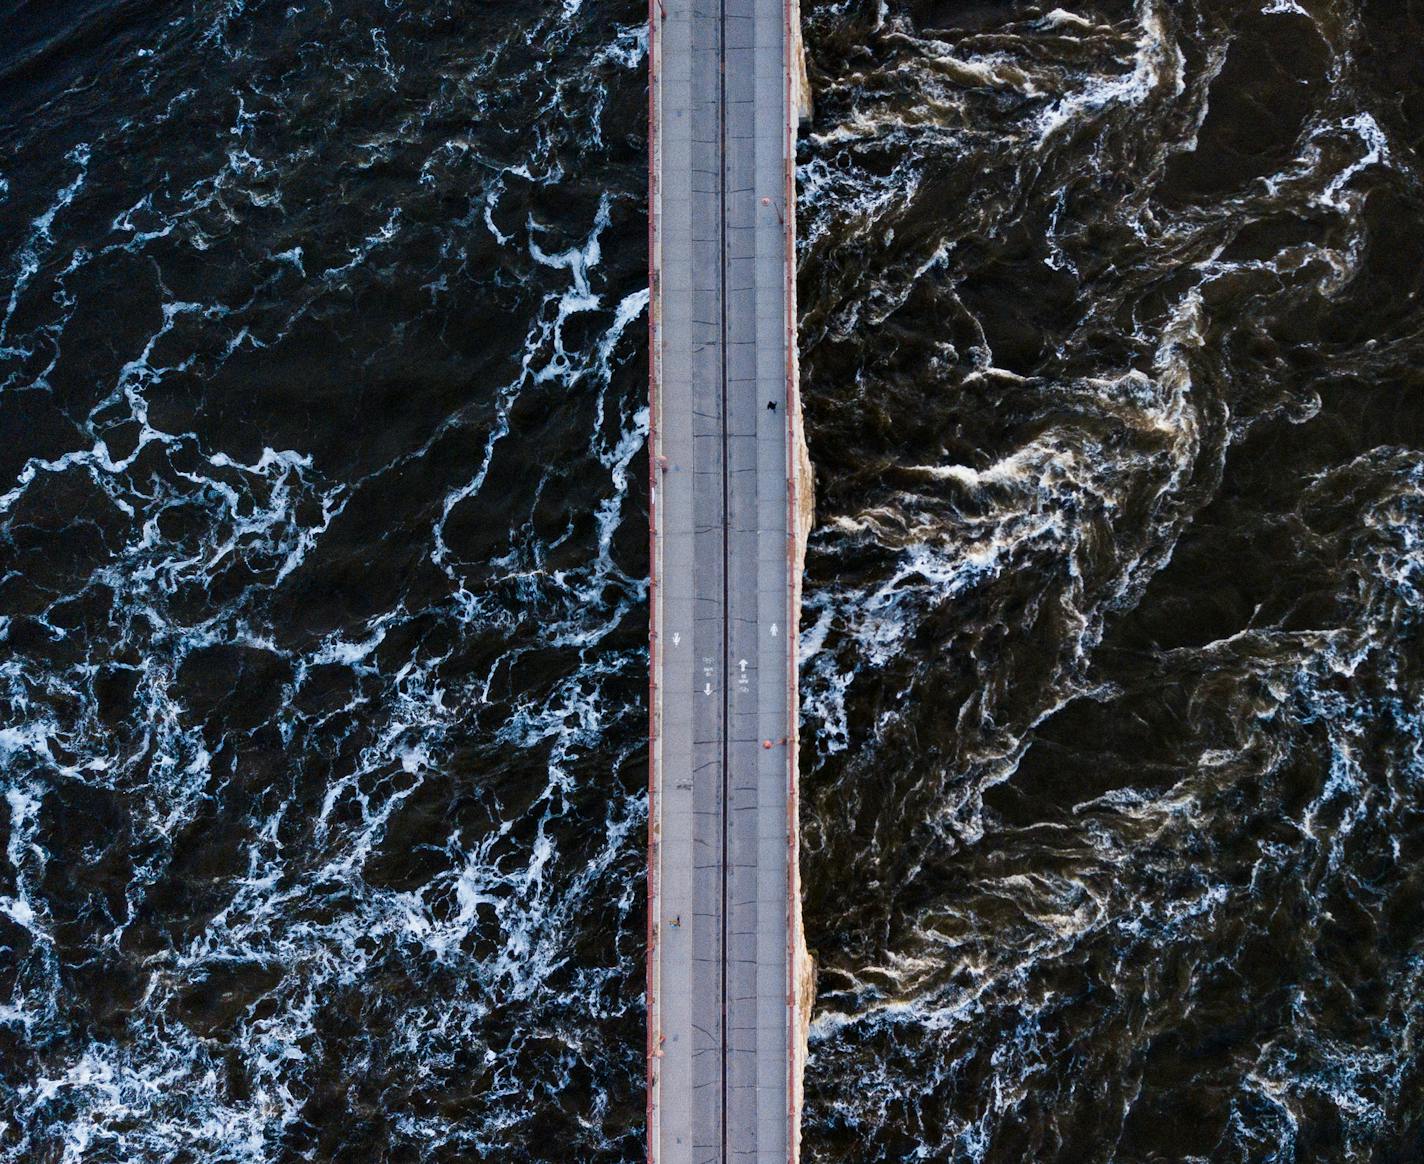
[323, 600]
[1114, 358]
[324, 381]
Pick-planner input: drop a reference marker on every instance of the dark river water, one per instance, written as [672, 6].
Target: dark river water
[323, 600]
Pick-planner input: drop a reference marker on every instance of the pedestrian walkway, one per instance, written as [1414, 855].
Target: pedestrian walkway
[723, 925]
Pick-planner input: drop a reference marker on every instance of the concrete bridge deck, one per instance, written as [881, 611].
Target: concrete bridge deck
[724, 919]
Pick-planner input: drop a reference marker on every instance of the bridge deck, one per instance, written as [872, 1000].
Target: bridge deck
[722, 833]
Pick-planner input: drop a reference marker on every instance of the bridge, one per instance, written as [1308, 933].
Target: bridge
[728, 979]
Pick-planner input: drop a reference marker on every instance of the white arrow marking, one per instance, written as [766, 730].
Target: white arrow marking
[707, 690]
[676, 638]
[743, 665]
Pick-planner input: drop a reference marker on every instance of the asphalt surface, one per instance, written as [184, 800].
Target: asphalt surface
[719, 1012]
